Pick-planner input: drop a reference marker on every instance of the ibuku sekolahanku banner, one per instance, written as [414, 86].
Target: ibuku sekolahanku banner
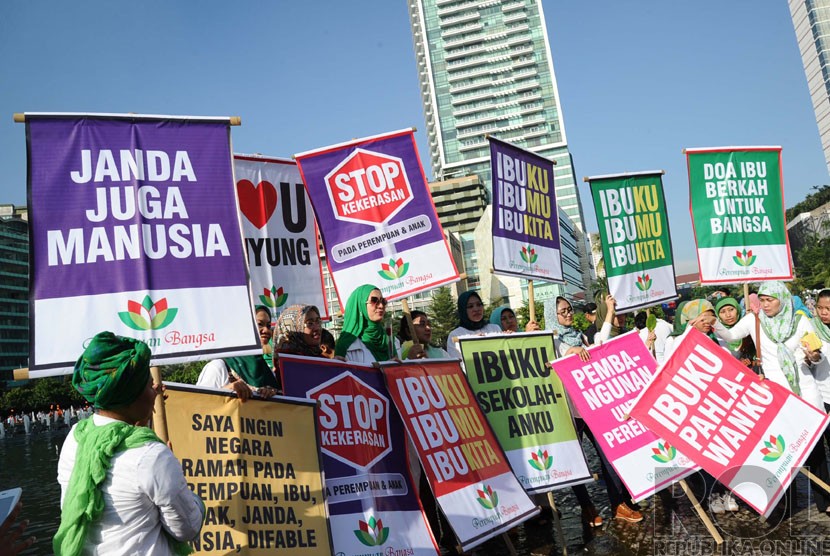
[636, 244]
[603, 390]
[525, 215]
[750, 434]
[256, 468]
[372, 500]
[464, 464]
[524, 402]
[376, 216]
[280, 234]
[134, 229]
[737, 203]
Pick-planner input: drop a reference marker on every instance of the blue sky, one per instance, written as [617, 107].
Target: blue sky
[638, 81]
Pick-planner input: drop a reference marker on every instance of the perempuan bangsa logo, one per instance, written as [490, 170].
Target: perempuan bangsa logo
[150, 315]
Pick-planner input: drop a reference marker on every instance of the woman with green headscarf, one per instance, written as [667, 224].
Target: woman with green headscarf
[729, 312]
[122, 489]
[698, 313]
[247, 375]
[363, 338]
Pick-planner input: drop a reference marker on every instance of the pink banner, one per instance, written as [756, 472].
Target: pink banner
[603, 390]
[749, 434]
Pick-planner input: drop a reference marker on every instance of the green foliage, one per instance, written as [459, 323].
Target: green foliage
[814, 200]
[39, 394]
[443, 315]
[187, 373]
[523, 314]
[580, 322]
[813, 272]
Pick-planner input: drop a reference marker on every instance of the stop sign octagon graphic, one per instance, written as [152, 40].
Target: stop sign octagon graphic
[368, 187]
[354, 421]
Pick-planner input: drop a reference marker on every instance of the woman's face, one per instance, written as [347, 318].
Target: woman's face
[769, 305]
[376, 306]
[823, 309]
[508, 321]
[706, 323]
[312, 328]
[475, 308]
[728, 315]
[423, 330]
[564, 313]
[263, 323]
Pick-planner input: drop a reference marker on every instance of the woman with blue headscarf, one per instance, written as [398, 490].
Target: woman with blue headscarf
[505, 318]
[471, 317]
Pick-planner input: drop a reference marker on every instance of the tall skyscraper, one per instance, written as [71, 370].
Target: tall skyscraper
[811, 19]
[485, 68]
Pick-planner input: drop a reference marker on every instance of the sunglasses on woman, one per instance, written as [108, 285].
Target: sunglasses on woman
[374, 300]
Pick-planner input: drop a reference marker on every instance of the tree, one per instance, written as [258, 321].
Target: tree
[524, 314]
[186, 373]
[814, 200]
[443, 315]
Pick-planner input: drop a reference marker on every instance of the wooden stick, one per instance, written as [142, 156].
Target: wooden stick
[510, 548]
[702, 514]
[809, 474]
[558, 523]
[409, 324]
[21, 374]
[159, 416]
[531, 303]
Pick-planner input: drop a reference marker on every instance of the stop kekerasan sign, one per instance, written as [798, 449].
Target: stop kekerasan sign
[368, 187]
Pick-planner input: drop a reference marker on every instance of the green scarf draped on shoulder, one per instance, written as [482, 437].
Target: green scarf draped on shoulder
[84, 501]
[357, 326]
[253, 370]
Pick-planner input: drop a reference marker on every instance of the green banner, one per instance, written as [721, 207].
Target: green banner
[525, 404]
[737, 206]
[636, 245]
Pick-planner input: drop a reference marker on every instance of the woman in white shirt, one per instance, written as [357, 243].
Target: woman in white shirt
[471, 317]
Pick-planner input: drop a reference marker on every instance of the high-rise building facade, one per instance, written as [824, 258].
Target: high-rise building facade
[14, 290]
[811, 19]
[485, 68]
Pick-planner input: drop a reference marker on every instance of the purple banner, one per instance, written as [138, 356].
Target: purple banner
[134, 229]
[365, 463]
[376, 216]
[525, 215]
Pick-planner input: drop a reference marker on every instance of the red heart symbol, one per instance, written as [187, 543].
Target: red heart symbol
[257, 202]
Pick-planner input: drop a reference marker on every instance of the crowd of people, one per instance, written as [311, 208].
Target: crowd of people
[123, 489]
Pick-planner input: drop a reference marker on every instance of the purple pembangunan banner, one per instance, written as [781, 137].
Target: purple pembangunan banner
[525, 215]
[376, 216]
[134, 229]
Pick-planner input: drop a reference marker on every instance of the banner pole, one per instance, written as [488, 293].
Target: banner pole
[159, 415]
[409, 324]
[810, 475]
[558, 523]
[510, 548]
[703, 517]
[531, 303]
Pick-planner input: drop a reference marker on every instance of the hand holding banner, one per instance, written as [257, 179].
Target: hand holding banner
[749, 434]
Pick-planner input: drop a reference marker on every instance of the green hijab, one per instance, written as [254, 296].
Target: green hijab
[357, 326]
[678, 326]
[822, 330]
[733, 346]
[780, 328]
[253, 370]
[112, 371]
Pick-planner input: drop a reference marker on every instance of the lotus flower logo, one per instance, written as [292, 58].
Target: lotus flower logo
[528, 254]
[664, 452]
[643, 282]
[487, 497]
[275, 297]
[744, 258]
[148, 315]
[394, 269]
[540, 460]
[774, 448]
[372, 533]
